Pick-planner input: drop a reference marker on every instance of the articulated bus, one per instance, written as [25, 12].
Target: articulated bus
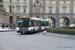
[31, 25]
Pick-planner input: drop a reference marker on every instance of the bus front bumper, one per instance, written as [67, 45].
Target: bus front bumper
[23, 31]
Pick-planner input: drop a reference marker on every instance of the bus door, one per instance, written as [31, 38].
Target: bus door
[37, 25]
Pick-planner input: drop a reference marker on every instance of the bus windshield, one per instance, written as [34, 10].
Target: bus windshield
[25, 23]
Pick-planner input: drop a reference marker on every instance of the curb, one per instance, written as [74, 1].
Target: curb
[59, 35]
[7, 30]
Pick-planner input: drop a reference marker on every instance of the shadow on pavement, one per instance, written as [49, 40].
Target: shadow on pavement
[29, 33]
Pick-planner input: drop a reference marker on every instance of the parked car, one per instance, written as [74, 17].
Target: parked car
[72, 25]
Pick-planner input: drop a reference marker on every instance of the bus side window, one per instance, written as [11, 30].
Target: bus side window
[32, 23]
[37, 23]
[46, 23]
[42, 23]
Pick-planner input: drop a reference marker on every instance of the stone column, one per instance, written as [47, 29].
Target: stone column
[8, 19]
[44, 8]
[57, 12]
[5, 20]
[14, 19]
[57, 6]
[0, 20]
[71, 6]
[71, 11]
[21, 9]
[14, 9]
[31, 7]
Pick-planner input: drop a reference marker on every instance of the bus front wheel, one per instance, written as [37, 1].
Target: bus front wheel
[22, 33]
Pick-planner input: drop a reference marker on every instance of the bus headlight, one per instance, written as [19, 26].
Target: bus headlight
[30, 28]
[17, 28]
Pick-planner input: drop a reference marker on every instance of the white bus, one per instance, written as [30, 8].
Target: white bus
[31, 25]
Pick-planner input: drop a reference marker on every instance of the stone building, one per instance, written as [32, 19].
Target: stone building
[58, 12]
[3, 17]
[13, 9]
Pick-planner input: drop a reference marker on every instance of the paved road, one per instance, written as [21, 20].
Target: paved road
[15, 41]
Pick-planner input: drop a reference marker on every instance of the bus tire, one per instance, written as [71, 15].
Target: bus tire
[33, 30]
[22, 33]
[38, 30]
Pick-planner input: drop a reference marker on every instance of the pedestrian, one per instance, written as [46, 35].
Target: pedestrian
[7, 26]
[3, 26]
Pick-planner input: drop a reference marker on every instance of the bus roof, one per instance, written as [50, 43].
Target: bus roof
[36, 19]
[44, 20]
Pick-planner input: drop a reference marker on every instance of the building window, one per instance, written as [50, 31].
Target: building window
[11, 19]
[24, 9]
[64, 10]
[11, 8]
[37, 9]
[50, 10]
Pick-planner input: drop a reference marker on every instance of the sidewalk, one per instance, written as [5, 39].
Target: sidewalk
[59, 35]
[6, 29]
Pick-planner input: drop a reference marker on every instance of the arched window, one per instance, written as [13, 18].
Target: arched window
[64, 21]
[11, 19]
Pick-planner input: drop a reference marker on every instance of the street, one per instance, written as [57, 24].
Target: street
[15, 41]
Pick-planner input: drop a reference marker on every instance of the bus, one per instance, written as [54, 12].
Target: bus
[31, 25]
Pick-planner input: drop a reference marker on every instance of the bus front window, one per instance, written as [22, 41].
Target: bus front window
[25, 23]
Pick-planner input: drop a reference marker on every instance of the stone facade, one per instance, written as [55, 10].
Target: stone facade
[58, 12]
